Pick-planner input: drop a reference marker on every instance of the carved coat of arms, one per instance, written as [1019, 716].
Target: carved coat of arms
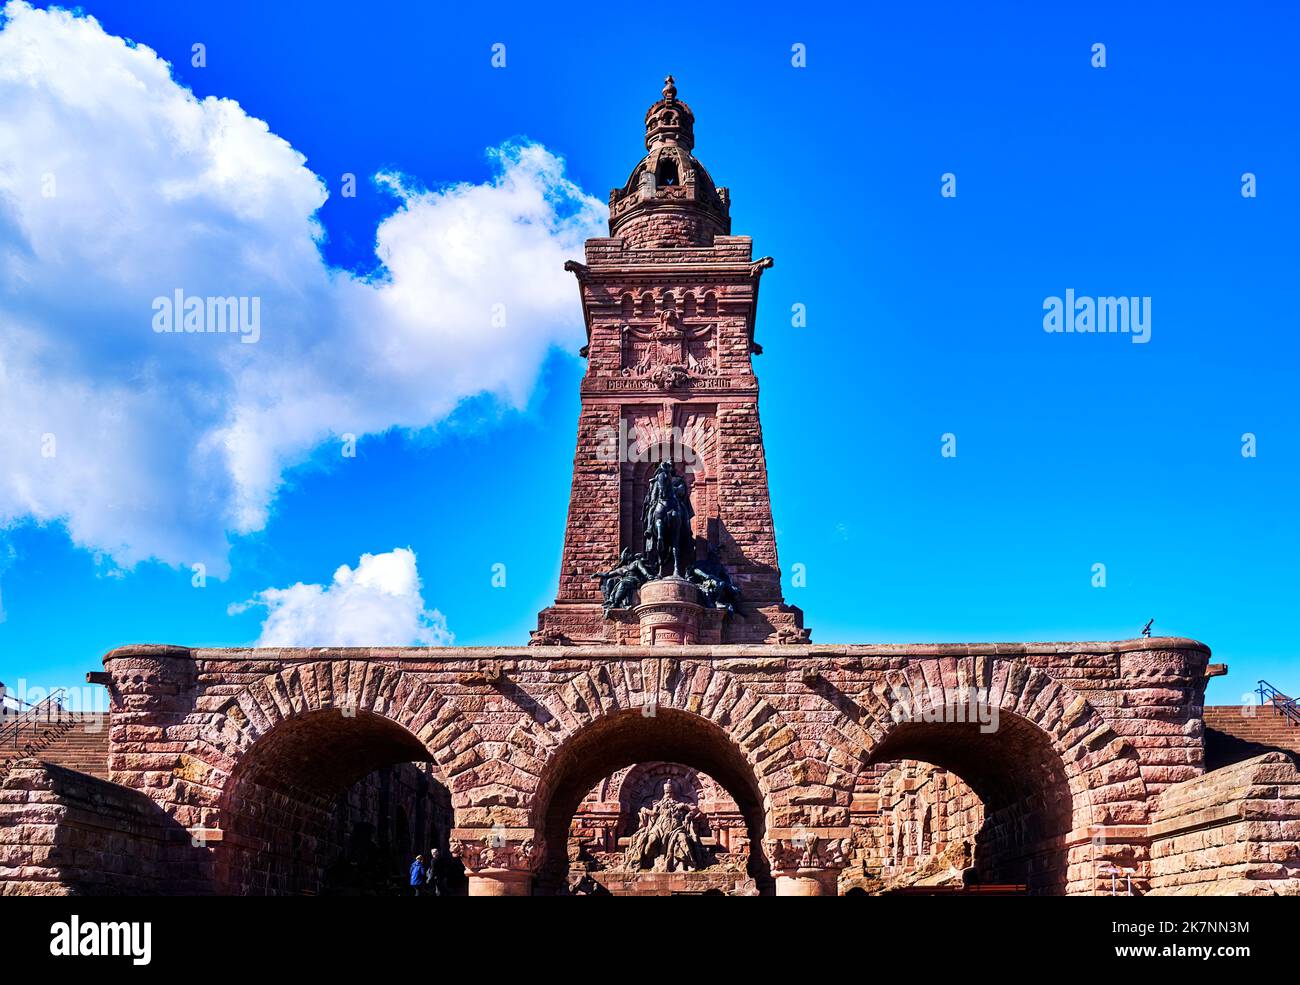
[669, 351]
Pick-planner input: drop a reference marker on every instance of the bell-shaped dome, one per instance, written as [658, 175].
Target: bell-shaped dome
[669, 199]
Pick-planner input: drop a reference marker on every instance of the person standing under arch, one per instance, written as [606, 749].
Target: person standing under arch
[419, 874]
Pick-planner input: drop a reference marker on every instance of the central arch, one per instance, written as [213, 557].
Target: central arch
[629, 736]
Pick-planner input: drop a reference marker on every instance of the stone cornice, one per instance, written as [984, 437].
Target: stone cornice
[813, 651]
[713, 270]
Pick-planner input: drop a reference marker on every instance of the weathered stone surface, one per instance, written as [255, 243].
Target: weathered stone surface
[1230, 831]
[524, 751]
[1077, 761]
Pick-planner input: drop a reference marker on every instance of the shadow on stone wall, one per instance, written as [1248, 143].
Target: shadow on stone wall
[65, 833]
[1230, 832]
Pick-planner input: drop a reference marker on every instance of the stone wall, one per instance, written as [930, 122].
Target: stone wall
[63, 832]
[519, 736]
[67, 833]
[927, 825]
[1234, 831]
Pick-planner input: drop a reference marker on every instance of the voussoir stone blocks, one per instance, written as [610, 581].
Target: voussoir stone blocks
[794, 728]
[226, 764]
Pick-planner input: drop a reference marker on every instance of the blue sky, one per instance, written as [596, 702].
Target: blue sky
[924, 318]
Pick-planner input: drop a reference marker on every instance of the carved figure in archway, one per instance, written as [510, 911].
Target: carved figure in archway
[667, 837]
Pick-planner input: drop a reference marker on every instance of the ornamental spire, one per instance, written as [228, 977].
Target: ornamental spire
[669, 121]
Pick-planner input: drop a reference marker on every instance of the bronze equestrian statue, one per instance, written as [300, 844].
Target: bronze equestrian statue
[666, 516]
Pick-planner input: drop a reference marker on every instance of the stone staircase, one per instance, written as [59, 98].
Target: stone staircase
[79, 741]
[1232, 736]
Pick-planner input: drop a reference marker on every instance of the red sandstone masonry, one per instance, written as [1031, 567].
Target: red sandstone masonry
[801, 721]
[670, 255]
[1235, 831]
[67, 833]
[1095, 742]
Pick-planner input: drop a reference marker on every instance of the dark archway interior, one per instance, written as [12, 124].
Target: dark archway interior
[1020, 779]
[629, 737]
[328, 803]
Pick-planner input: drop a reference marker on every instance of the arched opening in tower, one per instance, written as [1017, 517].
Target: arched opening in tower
[686, 814]
[960, 809]
[690, 462]
[666, 173]
[333, 804]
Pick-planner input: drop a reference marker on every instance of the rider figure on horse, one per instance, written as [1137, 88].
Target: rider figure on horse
[669, 540]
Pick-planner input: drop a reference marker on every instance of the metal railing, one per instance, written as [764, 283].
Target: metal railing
[33, 721]
[1281, 704]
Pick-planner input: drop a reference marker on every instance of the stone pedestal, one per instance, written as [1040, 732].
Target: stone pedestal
[669, 613]
[500, 882]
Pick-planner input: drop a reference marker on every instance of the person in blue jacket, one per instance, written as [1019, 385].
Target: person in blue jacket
[418, 876]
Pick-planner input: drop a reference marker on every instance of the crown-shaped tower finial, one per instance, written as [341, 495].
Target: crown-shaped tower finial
[669, 200]
[669, 121]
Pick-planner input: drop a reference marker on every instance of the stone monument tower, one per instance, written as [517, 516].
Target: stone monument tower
[669, 300]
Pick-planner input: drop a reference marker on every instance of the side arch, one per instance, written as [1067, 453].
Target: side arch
[271, 768]
[1052, 744]
[347, 688]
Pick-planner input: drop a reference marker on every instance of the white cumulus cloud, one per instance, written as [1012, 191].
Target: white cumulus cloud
[118, 186]
[377, 603]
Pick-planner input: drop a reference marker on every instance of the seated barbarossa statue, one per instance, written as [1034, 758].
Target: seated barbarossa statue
[667, 837]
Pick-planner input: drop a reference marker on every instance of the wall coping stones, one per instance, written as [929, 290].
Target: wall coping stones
[798, 652]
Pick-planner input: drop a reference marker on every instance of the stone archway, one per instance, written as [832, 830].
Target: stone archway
[697, 712]
[1027, 799]
[271, 767]
[1063, 794]
[283, 833]
[627, 737]
[807, 721]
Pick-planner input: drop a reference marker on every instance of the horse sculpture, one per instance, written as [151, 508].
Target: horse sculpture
[669, 540]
